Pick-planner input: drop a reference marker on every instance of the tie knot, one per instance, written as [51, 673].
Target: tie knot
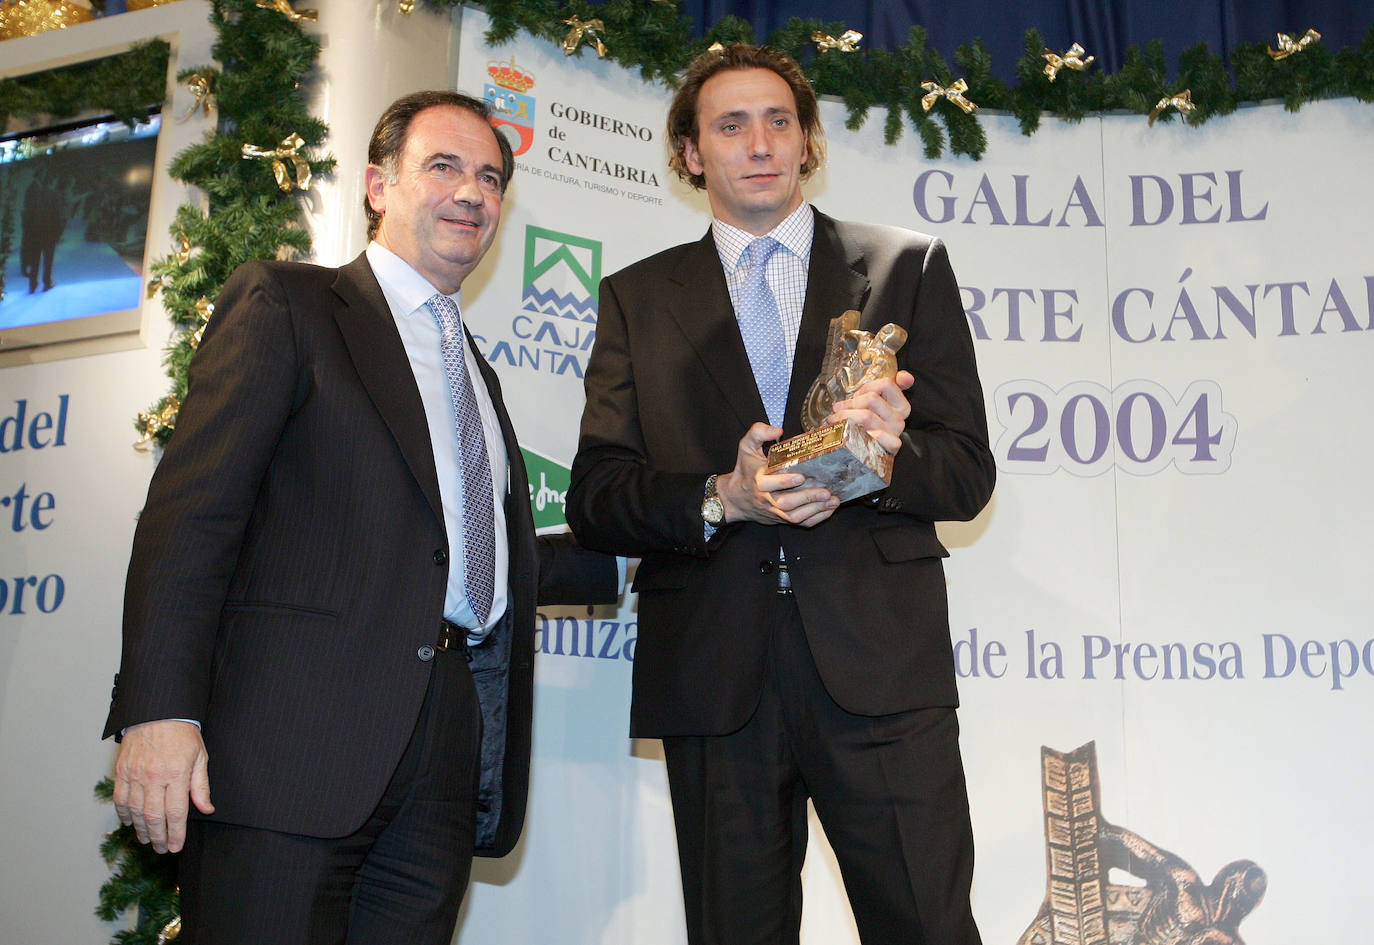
[445, 313]
[761, 249]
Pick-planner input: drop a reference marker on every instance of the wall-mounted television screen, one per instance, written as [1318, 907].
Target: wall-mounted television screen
[73, 223]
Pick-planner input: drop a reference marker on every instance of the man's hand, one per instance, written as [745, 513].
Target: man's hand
[880, 408]
[160, 765]
[751, 495]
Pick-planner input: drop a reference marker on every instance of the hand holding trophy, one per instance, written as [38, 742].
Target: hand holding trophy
[841, 457]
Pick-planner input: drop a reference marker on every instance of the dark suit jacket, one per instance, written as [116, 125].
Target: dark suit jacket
[669, 395]
[291, 561]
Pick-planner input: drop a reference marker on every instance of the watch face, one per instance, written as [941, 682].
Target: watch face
[712, 511]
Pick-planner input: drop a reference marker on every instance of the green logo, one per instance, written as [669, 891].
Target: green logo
[562, 273]
[549, 481]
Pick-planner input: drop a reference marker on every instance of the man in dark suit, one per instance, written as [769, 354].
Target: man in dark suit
[329, 613]
[789, 646]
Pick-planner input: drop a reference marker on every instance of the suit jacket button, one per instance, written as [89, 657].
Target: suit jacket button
[426, 653]
[441, 557]
[765, 567]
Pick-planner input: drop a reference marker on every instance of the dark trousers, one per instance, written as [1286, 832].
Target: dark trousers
[400, 879]
[889, 792]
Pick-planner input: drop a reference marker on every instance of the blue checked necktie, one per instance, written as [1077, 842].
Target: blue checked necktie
[761, 326]
[479, 524]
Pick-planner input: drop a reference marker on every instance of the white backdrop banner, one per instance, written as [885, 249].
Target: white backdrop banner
[1160, 624]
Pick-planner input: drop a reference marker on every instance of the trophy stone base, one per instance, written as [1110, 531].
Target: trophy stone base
[840, 457]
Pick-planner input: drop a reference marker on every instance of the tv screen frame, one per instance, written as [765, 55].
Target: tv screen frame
[75, 197]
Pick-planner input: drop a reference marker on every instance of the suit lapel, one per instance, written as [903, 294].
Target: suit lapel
[380, 359]
[836, 281]
[699, 301]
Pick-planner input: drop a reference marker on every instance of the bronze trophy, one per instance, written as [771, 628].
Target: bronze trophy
[842, 457]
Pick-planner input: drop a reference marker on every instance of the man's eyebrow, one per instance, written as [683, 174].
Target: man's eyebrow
[740, 113]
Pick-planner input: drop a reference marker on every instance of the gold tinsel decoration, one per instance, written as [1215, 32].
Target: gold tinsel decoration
[1072, 59]
[848, 41]
[1288, 46]
[31, 17]
[289, 150]
[1183, 101]
[955, 93]
[581, 31]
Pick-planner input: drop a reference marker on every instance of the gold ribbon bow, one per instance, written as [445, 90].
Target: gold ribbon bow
[589, 30]
[155, 423]
[285, 9]
[170, 932]
[183, 255]
[848, 41]
[1183, 101]
[407, 7]
[1288, 45]
[290, 148]
[955, 93]
[204, 309]
[1072, 59]
[199, 84]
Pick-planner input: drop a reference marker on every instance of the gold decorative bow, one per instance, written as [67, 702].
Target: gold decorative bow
[199, 84]
[290, 148]
[183, 255]
[1288, 46]
[580, 31]
[407, 7]
[1183, 101]
[848, 41]
[1072, 59]
[955, 93]
[152, 424]
[170, 932]
[204, 309]
[285, 9]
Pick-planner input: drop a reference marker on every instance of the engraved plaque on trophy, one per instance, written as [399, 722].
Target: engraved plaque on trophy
[840, 456]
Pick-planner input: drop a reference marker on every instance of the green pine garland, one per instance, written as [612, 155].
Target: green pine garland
[262, 59]
[125, 84]
[652, 36]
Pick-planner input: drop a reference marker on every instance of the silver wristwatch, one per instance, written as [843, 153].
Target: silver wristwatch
[712, 511]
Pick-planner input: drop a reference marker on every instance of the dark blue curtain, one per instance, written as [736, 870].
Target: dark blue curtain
[1106, 28]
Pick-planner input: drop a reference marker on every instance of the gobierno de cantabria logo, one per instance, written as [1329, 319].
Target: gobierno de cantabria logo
[512, 111]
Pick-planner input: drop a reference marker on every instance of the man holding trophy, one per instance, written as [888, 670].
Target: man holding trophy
[793, 627]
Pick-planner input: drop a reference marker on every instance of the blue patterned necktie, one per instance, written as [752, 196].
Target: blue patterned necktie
[761, 325]
[479, 524]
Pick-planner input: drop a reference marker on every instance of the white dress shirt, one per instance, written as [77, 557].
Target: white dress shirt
[407, 293]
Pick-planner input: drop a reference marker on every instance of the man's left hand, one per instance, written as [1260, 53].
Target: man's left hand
[880, 408]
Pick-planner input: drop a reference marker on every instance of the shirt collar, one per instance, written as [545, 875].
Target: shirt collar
[405, 289]
[794, 233]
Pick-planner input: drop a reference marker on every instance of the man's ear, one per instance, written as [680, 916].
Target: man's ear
[374, 180]
[691, 156]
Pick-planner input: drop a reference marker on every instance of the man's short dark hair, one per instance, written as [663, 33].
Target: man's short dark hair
[389, 137]
[683, 118]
